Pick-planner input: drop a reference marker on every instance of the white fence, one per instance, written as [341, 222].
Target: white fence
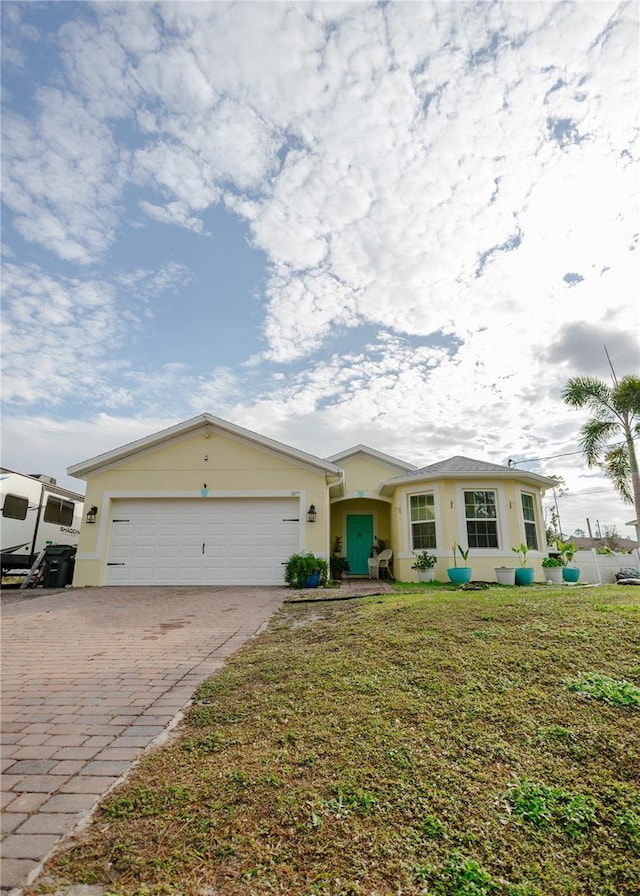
[602, 568]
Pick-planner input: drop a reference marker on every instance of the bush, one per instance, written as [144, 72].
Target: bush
[424, 560]
[299, 567]
[338, 565]
[551, 563]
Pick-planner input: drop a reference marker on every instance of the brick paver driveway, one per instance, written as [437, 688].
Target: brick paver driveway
[90, 677]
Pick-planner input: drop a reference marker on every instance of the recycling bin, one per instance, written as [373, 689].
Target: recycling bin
[59, 562]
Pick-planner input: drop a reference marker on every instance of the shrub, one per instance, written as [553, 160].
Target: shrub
[299, 567]
[424, 560]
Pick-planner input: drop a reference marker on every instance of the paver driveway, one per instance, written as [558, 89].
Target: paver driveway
[90, 677]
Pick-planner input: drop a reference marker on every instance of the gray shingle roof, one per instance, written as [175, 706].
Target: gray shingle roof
[460, 464]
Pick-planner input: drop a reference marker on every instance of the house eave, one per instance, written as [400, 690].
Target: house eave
[389, 486]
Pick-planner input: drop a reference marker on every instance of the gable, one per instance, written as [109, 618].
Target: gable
[186, 446]
[364, 468]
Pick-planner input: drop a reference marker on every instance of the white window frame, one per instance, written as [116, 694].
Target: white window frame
[488, 519]
[403, 507]
[502, 518]
[420, 494]
[533, 522]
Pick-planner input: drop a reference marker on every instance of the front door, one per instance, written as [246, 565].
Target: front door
[359, 541]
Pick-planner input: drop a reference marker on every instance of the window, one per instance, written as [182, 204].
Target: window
[529, 516]
[59, 511]
[482, 519]
[15, 507]
[423, 522]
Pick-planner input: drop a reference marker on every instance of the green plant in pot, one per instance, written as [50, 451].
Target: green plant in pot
[552, 569]
[567, 551]
[338, 566]
[305, 571]
[424, 566]
[524, 574]
[459, 574]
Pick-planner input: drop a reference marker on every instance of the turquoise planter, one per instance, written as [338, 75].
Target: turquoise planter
[569, 574]
[459, 575]
[524, 575]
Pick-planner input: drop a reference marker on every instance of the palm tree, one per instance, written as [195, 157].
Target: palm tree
[616, 415]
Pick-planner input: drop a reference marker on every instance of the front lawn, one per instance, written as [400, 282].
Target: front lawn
[444, 743]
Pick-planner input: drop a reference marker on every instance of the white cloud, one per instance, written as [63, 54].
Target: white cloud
[63, 337]
[177, 213]
[408, 169]
[62, 177]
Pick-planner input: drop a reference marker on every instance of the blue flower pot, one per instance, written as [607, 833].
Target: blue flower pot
[524, 575]
[459, 575]
[569, 574]
[312, 580]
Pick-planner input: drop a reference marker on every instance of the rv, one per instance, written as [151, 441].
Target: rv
[35, 512]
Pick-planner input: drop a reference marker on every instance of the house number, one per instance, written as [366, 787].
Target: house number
[295, 494]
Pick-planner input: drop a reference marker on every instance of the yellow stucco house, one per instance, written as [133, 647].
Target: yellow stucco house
[207, 502]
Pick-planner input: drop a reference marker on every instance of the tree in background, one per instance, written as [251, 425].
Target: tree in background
[612, 538]
[615, 416]
[553, 526]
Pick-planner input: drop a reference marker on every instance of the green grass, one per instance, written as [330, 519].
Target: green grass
[424, 743]
[602, 687]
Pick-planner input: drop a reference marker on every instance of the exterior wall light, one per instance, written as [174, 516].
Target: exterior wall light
[92, 513]
[311, 513]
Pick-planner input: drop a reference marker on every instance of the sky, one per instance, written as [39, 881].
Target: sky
[398, 224]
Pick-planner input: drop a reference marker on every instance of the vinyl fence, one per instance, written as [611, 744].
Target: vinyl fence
[602, 568]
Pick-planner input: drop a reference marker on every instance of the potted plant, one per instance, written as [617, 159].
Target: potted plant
[459, 574]
[524, 574]
[506, 575]
[552, 570]
[567, 550]
[338, 566]
[423, 564]
[305, 571]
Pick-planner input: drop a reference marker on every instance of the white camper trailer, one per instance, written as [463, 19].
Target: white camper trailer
[35, 512]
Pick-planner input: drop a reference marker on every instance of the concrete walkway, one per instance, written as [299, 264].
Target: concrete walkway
[92, 677]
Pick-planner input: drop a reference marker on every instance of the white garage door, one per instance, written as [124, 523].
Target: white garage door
[239, 541]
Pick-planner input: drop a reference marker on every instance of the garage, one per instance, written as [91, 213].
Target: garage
[211, 541]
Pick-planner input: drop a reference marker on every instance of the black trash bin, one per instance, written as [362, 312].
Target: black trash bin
[59, 562]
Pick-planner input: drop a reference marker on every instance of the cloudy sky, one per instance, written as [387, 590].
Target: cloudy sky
[402, 224]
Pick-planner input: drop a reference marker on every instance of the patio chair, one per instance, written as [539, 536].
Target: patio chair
[380, 564]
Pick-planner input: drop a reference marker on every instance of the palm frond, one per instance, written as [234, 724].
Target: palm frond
[588, 392]
[595, 437]
[626, 396]
[617, 468]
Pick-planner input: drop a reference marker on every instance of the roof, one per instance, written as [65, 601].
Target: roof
[48, 482]
[460, 464]
[371, 452]
[208, 424]
[460, 467]
[624, 545]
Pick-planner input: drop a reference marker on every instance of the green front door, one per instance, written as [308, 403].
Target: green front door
[359, 541]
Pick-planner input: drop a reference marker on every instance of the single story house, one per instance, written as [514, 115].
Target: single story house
[207, 502]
